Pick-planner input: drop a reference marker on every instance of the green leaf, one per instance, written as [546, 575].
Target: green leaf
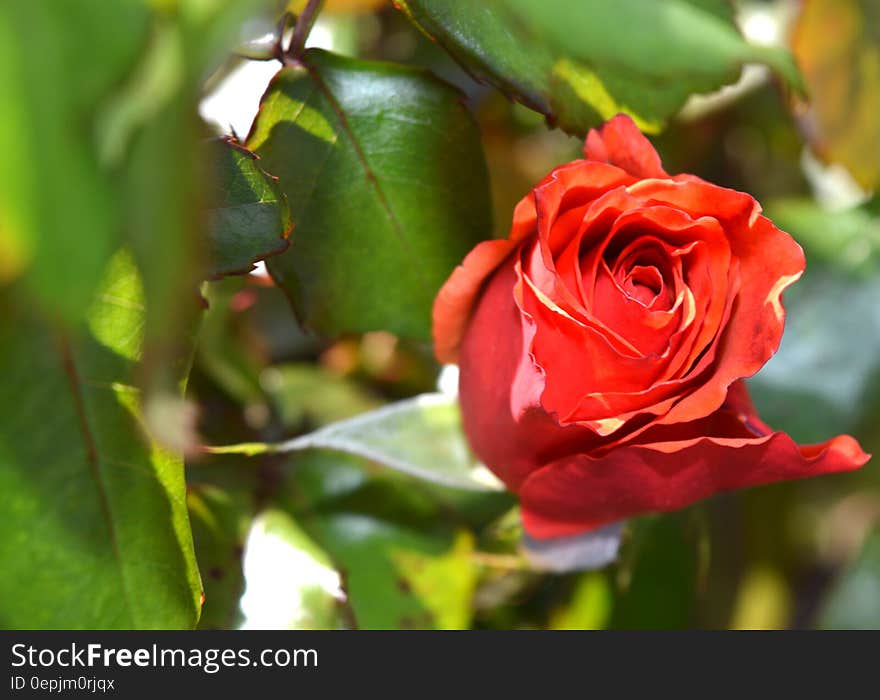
[232, 364]
[580, 63]
[101, 150]
[58, 207]
[151, 141]
[327, 481]
[445, 583]
[306, 395]
[659, 574]
[590, 605]
[99, 140]
[95, 532]
[291, 582]
[421, 437]
[403, 545]
[848, 238]
[384, 173]
[854, 600]
[248, 219]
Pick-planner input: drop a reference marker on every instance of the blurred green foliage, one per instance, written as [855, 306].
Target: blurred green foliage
[109, 153]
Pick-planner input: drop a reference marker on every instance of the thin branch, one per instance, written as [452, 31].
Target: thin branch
[278, 47]
[301, 31]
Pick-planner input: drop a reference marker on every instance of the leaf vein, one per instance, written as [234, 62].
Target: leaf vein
[370, 175]
[94, 461]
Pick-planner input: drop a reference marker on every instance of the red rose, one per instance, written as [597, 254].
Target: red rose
[603, 344]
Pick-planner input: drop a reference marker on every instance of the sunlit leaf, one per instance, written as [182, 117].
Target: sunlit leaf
[95, 532]
[421, 437]
[365, 548]
[384, 173]
[444, 583]
[763, 601]
[291, 582]
[589, 607]
[402, 544]
[297, 6]
[837, 45]
[248, 219]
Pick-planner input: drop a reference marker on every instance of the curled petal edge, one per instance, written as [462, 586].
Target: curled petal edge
[581, 493]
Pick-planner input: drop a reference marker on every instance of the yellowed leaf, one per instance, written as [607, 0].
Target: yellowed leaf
[443, 583]
[340, 6]
[837, 46]
[14, 253]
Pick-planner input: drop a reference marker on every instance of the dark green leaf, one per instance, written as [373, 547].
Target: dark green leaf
[248, 219]
[657, 579]
[384, 173]
[582, 62]
[94, 532]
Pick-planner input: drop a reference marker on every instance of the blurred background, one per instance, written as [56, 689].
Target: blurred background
[333, 541]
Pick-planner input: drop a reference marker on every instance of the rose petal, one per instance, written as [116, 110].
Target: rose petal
[578, 181]
[690, 194]
[769, 261]
[620, 143]
[455, 300]
[500, 389]
[573, 185]
[610, 388]
[579, 493]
